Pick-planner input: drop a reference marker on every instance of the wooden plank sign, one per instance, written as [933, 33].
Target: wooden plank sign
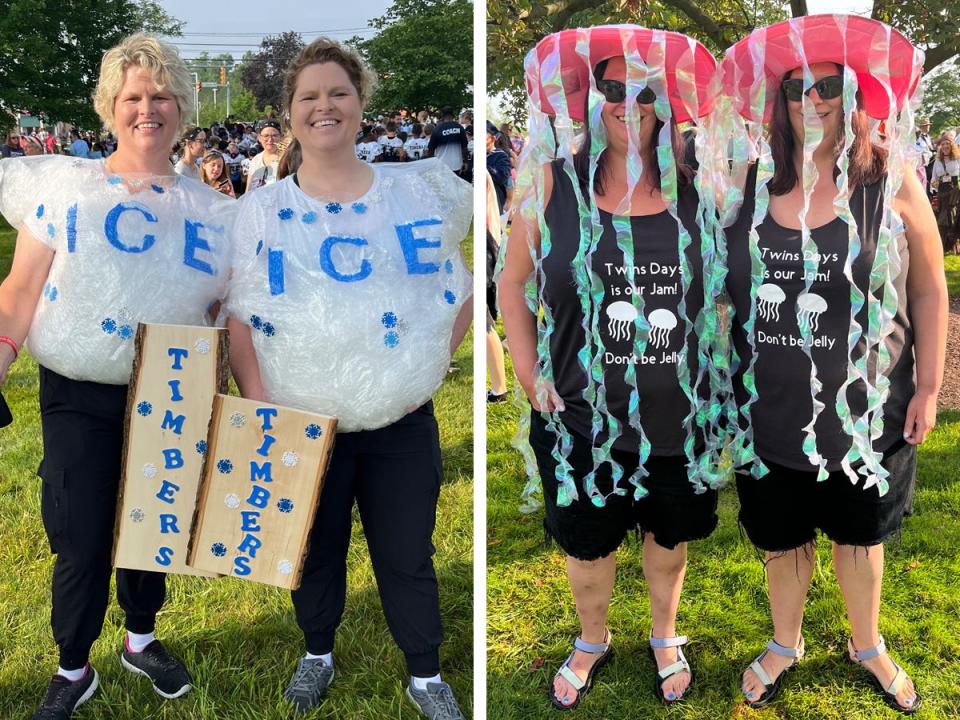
[258, 495]
[177, 371]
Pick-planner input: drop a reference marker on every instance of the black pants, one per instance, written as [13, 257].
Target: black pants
[82, 448]
[394, 475]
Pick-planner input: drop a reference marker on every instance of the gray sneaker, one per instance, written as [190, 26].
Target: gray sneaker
[308, 684]
[436, 702]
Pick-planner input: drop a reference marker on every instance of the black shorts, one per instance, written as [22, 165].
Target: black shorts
[784, 509]
[672, 510]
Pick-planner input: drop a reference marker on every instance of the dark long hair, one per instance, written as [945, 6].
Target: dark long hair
[581, 158]
[868, 162]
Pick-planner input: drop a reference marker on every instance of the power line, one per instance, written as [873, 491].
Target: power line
[260, 34]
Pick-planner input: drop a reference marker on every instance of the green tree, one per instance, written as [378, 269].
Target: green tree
[50, 52]
[515, 26]
[941, 99]
[423, 55]
[262, 72]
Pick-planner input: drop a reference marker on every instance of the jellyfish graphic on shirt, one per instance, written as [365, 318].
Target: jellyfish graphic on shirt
[661, 323]
[622, 316]
[809, 308]
[769, 298]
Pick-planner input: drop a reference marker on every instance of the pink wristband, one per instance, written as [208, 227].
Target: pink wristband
[9, 341]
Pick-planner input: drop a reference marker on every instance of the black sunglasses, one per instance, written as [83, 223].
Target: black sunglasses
[827, 88]
[615, 91]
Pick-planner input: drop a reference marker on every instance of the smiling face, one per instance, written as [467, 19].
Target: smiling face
[145, 117]
[268, 138]
[829, 111]
[325, 112]
[614, 114]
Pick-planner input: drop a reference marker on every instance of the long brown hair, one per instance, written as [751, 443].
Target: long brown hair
[867, 161]
[321, 50]
[581, 158]
[209, 157]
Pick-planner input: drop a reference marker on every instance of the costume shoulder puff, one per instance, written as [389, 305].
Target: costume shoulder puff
[431, 177]
[27, 181]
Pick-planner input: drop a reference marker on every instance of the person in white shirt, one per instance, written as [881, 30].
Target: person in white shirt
[416, 144]
[194, 145]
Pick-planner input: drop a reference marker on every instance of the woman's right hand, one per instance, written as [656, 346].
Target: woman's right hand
[543, 396]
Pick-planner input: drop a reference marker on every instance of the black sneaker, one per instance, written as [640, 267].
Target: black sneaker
[169, 677]
[309, 683]
[63, 696]
[493, 397]
[436, 702]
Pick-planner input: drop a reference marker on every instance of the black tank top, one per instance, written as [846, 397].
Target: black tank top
[782, 370]
[656, 275]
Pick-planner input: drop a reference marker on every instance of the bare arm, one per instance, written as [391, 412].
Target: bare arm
[461, 325]
[243, 361]
[519, 323]
[20, 293]
[927, 298]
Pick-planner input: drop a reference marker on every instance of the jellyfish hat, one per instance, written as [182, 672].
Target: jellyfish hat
[881, 71]
[563, 98]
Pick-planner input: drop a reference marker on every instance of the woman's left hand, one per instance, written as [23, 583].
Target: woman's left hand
[921, 417]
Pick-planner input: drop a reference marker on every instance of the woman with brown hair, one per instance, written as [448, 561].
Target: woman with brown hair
[839, 325]
[362, 329]
[946, 171]
[213, 172]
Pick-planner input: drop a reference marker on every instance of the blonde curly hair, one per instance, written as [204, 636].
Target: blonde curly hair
[166, 68]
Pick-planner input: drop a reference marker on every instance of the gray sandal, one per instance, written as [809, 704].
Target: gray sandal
[889, 693]
[681, 665]
[582, 686]
[771, 687]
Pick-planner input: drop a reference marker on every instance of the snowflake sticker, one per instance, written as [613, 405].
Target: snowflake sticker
[202, 346]
[108, 326]
[114, 180]
[238, 419]
[125, 332]
[389, 320]
[290, 458]
[284, 567]
[309, 217]
[449, 297]
[285, 214]
[144, 408]
[201, 447]
[269, 330]
[255, 322]
[448, 266]
[149, 471]
[391, 339]
[39, 211]
[334, 208]
[52, 294]
[232, 501]
[285, 505]
[51, 230]
[136, 515]
[225, 466]
[218, 549]
[313, 431]
[359, 208]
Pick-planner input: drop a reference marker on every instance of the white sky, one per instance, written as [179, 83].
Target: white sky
[255, 20]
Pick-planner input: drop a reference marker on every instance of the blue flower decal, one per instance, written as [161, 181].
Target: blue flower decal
[313, 431]
[391, 339]
[39, 211]
[53, 294]
[285, 214]
[157, 189]
[218, 549]
[51, 231]
[114, 180]
[389, 320]
[334, 208]
[144, 408]
[309, 217]
[125, 332]
[259, 247]
[256, 322]
[449, 297]
[285, 505]
[448, 266]
[269, 330]
[225, 466]
[201, 446]
[359, 208]
[108, 325]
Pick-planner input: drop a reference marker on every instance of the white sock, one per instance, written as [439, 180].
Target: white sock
[137, 643]
[421, 683]
[326, 659]
[72, 675]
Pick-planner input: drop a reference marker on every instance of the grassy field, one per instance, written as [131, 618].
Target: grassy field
[238, 639]
[531, 621]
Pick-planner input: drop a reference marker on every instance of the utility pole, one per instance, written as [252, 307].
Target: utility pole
[196, 95]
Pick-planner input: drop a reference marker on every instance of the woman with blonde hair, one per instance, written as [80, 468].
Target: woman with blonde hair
[946, 171]
[348, 298]
[100, 245]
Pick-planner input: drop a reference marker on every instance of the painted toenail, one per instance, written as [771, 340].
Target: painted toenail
[750, 695]
[908, 701]
[669, 696]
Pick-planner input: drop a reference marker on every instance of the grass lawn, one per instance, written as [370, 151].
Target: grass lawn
[238, 639]
[531, 621]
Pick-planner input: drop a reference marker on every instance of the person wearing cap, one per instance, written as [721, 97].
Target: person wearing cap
[925, 150]
[263, 166]
[499, 167]
[614, 446]
[101, 246]
[194, 145]
[837, 400]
